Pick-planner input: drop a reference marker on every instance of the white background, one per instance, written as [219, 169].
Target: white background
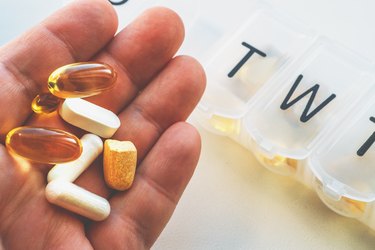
[232, 202]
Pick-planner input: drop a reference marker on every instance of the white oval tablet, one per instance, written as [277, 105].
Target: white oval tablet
[89, 117]
[92, 147]
[78, 200]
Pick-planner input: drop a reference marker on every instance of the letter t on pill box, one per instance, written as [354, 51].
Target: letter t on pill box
[89, 117]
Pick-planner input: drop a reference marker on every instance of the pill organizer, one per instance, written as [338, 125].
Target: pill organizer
[302, 103]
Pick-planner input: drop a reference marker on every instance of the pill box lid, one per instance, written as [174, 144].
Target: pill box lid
[337, 71]
[281, 37]
[345, 163]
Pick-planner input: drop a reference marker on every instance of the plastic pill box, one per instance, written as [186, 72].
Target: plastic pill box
[303, 104]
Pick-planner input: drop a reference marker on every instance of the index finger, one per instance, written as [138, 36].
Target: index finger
[74, 33]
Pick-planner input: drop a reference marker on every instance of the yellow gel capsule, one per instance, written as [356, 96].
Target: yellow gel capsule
[44, 145]
[81, 80]
[279, 164]
[45, 103]
[224, 125]
[345, 206]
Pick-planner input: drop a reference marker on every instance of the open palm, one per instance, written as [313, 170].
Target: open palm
[154, 94]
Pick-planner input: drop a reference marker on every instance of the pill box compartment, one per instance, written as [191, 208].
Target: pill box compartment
[248, 60]
[289, 101]
[344, 166]
[296, 110]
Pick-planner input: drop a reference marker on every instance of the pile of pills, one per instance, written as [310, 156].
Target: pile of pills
[72, 156]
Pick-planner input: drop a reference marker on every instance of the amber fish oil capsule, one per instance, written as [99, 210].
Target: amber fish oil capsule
[78, 200]
[43, 145]
[45, 103]
[80, 80]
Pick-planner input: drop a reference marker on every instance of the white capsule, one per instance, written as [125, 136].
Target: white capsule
[77, 200]
[89, 117]
[92, 147]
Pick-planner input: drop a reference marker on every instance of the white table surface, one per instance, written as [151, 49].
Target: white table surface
[232, 202]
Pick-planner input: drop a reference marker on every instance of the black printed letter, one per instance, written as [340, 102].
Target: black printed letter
[313, 90]
[246, 58]
[363, 150]
[118, 2]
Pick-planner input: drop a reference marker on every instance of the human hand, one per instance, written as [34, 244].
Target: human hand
[154, 94]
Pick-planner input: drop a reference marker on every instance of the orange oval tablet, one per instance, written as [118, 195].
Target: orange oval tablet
[80, 80]
[44, 145]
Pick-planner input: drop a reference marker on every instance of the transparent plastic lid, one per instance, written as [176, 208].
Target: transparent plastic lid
[266, 43]
[346, 165]
[294, 110]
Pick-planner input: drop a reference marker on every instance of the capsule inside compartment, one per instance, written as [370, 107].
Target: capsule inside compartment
[343, 205]
[278, 164]
[224, 125]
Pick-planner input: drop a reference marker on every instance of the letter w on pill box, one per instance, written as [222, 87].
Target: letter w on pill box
[302, 103]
